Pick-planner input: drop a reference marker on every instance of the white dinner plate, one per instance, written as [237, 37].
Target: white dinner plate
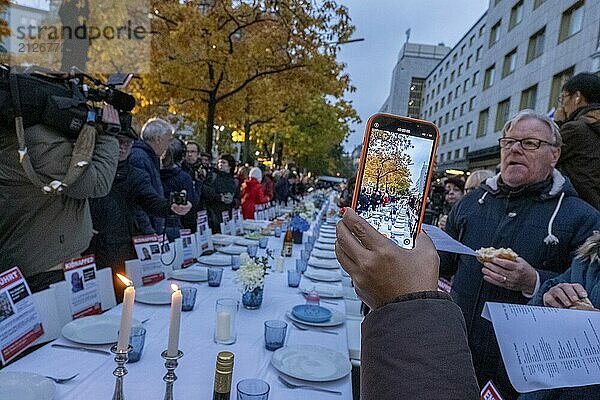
[323, 289]
[219, 260]
[311, 363]
[323, 263]
[191, 274]
[327, 235]
[327, 230]
[337, 318]
[159, 294]
[25, 386]
[242, 241]
[323, 275]
[95, 329]
[325, 239]
[326, 254]
[325, 246]
[222, 240]
[232, 249]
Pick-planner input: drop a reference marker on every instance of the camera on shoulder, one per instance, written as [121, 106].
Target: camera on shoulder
[179, 198]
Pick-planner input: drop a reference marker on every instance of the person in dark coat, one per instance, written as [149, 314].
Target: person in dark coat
[413, 341]
[580, 281]
[113, 216]
[579, 119]
[145, 155]
[221, 192]
[252, 193]
[175, 179]
[283, 188]
[529, 207]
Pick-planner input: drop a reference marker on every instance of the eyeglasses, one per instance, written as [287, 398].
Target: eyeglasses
[526, 144]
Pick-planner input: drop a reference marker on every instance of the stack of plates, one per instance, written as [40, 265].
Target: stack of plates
[232, 249]
[216, 260]
[326, 254]
[95, 329]
[242, 241]
[223, 240]
[325, 239]
[323, 263]
[325, 246]
[323, 275]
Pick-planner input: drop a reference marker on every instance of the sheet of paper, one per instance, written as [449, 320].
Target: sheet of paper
[189, 245]
[84, 297]
[149, 250]
[444, 242]
[202, 233]
[20, 323]
[545, 348]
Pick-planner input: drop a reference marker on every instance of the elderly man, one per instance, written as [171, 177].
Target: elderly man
[145, 156]
[529, 207]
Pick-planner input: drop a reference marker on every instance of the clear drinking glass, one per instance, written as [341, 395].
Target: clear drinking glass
[226, 310]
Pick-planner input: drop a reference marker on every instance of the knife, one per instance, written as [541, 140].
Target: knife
[64, 346]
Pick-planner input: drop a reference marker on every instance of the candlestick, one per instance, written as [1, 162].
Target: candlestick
[176, 300]
[170, 377]
[126, 314]
[120, 371]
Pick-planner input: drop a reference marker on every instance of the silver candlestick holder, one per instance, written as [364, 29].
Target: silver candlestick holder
[121, 357]
[170, 377]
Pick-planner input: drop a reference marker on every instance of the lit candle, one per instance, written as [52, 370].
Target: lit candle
[126, 314]
[223, 325]
[176, 298]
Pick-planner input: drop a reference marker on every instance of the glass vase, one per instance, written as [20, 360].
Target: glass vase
[253, 299]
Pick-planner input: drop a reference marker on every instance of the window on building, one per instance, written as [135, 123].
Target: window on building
[462, 109]
[445, 82]
[451, 135]
[454, 113]
[440, 121]
[489, 77]
[537, 3]
[471, 40]
[454, 57]
[466, 85]
[475, 78]
[510, 63]
[481, 30]
[456, 91]
[459, 132]
[479, 53]
[496, 2]
[502, 114]
[449, 97]
[441, 158]
[456, 154]
[447, 118]
[460, 67]
[434, 77]
[449, 155]
[439, 87]
[535, 48]
[528, 98]
[469, 59]
[558, 81]
[462, 49]
[495, 33]
[427, 99]
[516, 15]
[571, 21]
[443, 102]
[465, 151]
[469, 128]
[452, 76]
[483, 122]
[444, 137]
[447, 65]
[415, 99]
[436, 106]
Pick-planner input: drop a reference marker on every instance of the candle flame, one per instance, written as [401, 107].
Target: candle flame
[125, 280]
[174, 287]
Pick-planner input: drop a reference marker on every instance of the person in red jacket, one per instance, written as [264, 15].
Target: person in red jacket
[252, 193]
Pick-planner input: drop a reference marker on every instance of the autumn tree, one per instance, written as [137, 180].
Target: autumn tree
[388, 161]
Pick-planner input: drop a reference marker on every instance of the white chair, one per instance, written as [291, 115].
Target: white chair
[106, 288]
[353, 334]
[178, 249]
[133, 270]
[45, 304]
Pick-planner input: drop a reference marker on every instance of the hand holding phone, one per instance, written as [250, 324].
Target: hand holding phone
[394, 175]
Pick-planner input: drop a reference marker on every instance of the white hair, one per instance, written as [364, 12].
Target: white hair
[156, 128]
[526, 114]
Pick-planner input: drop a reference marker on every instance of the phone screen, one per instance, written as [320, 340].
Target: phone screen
[394, 175]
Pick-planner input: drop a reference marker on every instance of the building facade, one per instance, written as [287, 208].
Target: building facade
[516, 56]
[406, 92]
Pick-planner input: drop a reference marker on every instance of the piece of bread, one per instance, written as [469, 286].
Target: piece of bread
[583, 304]
[486, 254]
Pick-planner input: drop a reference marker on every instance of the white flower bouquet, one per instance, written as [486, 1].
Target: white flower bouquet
[251, 275]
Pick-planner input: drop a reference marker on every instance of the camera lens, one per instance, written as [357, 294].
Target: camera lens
[406, 242]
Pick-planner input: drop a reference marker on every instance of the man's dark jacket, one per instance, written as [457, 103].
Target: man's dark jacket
[175, 179]
[580, 152]
[543, 223]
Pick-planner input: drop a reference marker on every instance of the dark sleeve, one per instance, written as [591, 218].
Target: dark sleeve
[237, 197]
[416, 349]
[98, 176]
[145, 196]
[538, 297]
[449, 261]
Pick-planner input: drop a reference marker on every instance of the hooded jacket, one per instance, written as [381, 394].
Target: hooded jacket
[580, 152]
[543, 223]
[252, 194]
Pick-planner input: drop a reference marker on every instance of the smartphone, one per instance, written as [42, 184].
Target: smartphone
[394, 174]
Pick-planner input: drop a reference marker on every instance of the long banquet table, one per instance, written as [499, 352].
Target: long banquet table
[196, 369]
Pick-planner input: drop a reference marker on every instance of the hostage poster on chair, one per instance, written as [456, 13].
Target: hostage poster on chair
[148, 250]
[189, 247]
[84, 296]
[20, 323]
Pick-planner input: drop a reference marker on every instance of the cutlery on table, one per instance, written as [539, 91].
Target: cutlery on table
[335, 303]
[62, 380]
[316, 329]
[308, 387]
[86, 349]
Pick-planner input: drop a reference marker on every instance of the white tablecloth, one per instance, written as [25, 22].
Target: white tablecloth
[196, 369]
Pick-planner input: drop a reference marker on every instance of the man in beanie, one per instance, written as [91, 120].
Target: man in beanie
[252, 193]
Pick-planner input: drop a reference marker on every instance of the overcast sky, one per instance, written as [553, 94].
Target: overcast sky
[383, 24]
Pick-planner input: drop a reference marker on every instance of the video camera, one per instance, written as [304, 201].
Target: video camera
[63, 101]
[179, 198]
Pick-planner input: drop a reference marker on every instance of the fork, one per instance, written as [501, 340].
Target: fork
[304, 328]
[308, 387]
[62, 380]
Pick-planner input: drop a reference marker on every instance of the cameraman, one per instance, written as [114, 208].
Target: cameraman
[47, 222]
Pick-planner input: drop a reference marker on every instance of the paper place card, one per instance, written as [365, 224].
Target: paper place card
[189, 244]
[203, 233]
[489, 392]
[84, 296]
[20, 323]
[547, 348]
[149, 251]
[226, 225]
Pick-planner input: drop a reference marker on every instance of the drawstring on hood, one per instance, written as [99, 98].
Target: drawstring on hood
[558, 182]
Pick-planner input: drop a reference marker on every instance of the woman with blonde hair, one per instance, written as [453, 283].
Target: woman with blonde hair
[477, 178]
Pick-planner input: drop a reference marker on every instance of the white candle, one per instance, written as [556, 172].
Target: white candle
[126, 314]
[223, 325]
[176, 298]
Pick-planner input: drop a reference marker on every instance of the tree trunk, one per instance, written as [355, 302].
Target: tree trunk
[247, 142]
[210, 122]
